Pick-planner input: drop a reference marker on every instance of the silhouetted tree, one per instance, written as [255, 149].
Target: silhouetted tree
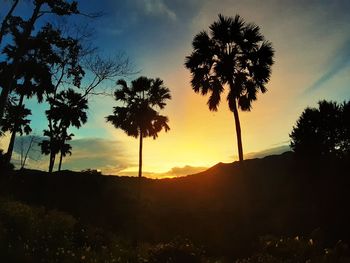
[15, 121]
[235, 54]
[34, 79]
[73, 59]
[322, 131]
[23, 30]
[67, 109]
[139, 117]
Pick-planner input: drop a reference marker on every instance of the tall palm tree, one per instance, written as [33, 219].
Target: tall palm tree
[233, 54]
[138, 116]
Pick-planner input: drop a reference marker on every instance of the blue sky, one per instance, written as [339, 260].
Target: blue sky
[312, 44]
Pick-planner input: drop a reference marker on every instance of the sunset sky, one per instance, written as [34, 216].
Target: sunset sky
[312, 62]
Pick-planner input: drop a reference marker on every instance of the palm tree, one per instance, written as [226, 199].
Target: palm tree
[138, 116]
[15, 121]
[67, 109]
[232, 54]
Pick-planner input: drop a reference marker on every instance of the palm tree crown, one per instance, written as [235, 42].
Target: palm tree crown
[235, 54]
[138, 115]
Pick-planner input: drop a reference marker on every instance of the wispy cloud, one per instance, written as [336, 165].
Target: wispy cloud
[95, 153]
[157, 7]
[271, 151]
[340, 61]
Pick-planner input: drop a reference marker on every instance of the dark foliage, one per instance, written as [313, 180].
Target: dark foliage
[16, 114]
[297, 250]
[138, 115]
[224, 209]
[21, 32]
[323, 132]
[177, 251]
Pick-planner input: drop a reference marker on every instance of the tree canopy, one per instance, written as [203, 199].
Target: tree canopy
[323, 131]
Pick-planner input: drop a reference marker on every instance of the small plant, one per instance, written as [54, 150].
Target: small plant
[177, 251]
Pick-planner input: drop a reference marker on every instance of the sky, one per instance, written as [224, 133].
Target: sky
[311, 40]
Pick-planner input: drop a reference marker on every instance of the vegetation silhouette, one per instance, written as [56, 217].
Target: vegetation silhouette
[68, 108]
[139, 117]
[15, 121]
[43, 59]
[235, 54]
[323, 132]
[25, 29]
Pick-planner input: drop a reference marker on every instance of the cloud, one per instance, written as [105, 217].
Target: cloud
[96, 153]
[157, 7]
[340, 61]
[109, 156]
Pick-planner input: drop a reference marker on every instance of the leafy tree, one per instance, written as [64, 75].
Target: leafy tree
[22, 30]
[138, 117]
[15, 121]
[233, 54]
[72, 60]
[67, 109]
[34, 78]
[322, 131]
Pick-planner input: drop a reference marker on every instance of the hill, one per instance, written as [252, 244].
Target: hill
[225, 209]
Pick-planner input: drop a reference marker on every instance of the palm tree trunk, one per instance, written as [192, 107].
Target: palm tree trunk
[13, 135]
[10, 147]
[6, 89]
[60, 164]
[52, 161]
[138, 212]
[140, 156]
[238, 132]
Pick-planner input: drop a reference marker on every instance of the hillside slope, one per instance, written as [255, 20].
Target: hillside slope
[225, 208]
